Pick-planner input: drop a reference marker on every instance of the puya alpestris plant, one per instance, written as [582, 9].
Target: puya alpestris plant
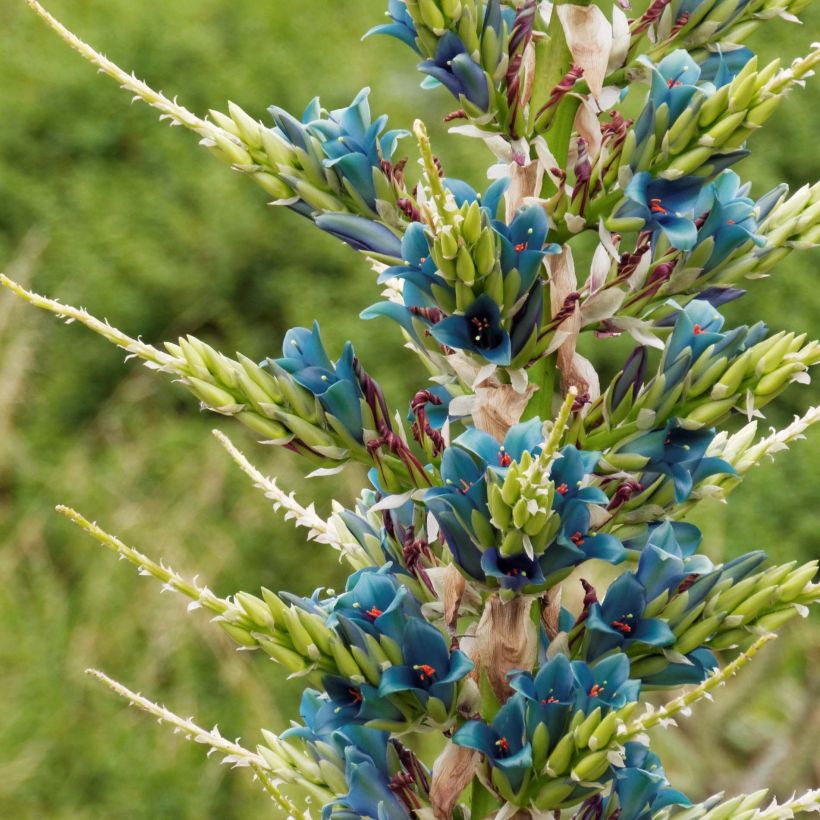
[514, 466]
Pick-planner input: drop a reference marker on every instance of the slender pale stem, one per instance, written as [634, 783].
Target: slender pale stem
[650, 719]
[303, 516]
[177, 113]
[157, 358]
[232, 751]
[171, 579]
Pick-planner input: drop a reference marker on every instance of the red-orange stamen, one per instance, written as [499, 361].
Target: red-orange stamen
[656, 207]
[622, 626]
[521, 246]
[373, 613]
[425, 671]
[504, 459]
[596, 690]
[577, 539]
[356, 695]
[549, 700]
[503, 745]
[562, 489]
[697, 330]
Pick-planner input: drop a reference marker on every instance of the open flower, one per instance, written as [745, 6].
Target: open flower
[640, 789]
[605, 684]
[679, 454]
[456, 70]
[550, 696]
[569, 472]
[523, 244]
[478, 330]
[334, 385]
[503, 742]
[428, 668]
[351, 143]
[674, 82]
[376, 602]
[666, 207]
[401, 27]
[731, 221]
[619, 622]
[667, 556]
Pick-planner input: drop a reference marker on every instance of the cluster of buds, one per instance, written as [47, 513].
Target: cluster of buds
[521, 507]
[703, 375]
[332, 166]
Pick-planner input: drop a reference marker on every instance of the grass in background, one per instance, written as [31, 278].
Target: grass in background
[102, 206]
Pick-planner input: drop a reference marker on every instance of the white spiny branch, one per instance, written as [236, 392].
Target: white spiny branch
[232, 752]
[778, 440]
[178, 114]
[171, 579]
[319, 530]
[152, 356]
[681, 705]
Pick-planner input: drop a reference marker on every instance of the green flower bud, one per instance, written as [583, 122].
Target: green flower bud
[604, 731]
[465, 269]
[345, 662]
[553, 794]
[255, 608]
[697, 635]
[558, 762]
[584, 732]
[238, 634]
[591, 767]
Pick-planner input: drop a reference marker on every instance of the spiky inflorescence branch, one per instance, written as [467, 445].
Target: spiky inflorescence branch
[232, 752]
[328, 532]
[680, 705]
[170, 109]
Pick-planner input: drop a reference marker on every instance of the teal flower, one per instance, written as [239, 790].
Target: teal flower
[428, 668]
[550, 696]
[478, 330]
[666, 207]
[605, 684]
[620, 623]
[730, 222]
[335, 385]
[458, 72]
[640, 789]
[352, 145]
[679, 454]
[401, 27]
[504, 742]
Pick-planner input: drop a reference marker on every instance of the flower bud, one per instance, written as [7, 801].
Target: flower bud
[591, 767]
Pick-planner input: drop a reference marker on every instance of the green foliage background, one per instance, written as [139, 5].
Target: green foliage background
[102, 206]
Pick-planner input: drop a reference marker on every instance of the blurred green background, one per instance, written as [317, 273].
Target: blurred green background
[102, 206]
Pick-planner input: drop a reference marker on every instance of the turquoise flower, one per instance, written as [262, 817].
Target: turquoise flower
[428, 668]
[504, 742]
[619, 622]
[605, 684]
[730, 222]
[640, 789]
[402, 26]
[679, 454]
[336, 386]
[453, 67]
[352, 145]
[478, 330]
[666, 207]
